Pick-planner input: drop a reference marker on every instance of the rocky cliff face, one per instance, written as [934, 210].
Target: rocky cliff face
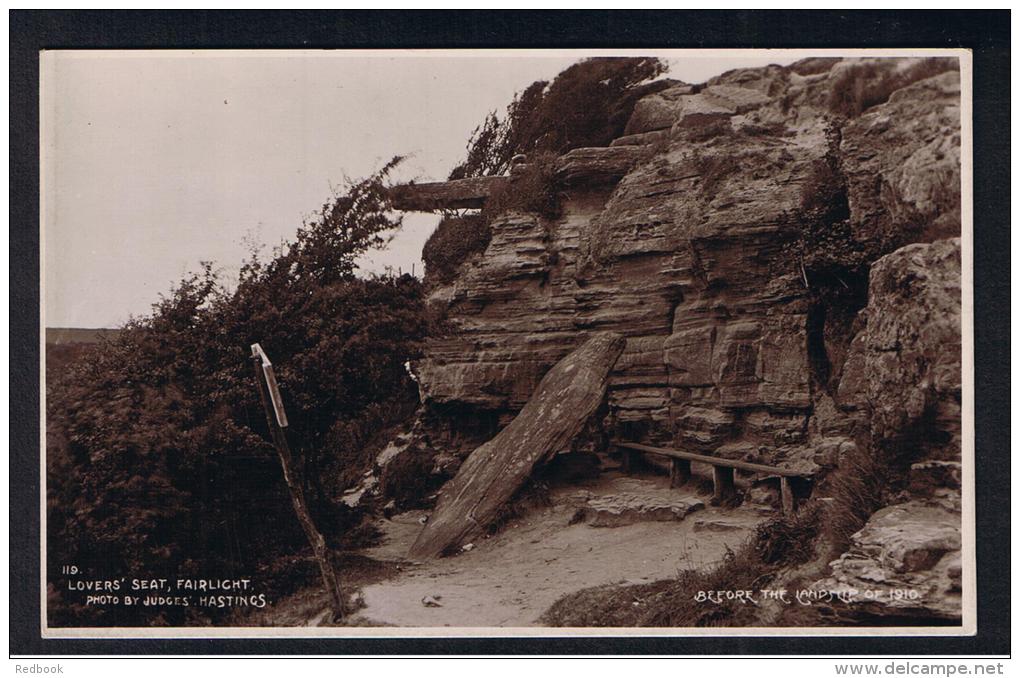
[697, 237]
[903, 377]
[677, 235]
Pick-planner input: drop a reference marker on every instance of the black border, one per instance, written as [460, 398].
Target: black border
[986, 32]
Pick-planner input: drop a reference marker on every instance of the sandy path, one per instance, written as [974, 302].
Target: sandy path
[512, 578]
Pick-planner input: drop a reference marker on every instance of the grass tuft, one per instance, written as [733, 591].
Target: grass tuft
[780, 543]
[869, 84]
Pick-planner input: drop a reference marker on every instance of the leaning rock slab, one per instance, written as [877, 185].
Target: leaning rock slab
[565, 399]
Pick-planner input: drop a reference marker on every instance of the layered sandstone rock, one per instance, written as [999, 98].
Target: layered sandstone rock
[676, 238]
[904, 367]
[902, 162]
[903, 371]
[905, 563]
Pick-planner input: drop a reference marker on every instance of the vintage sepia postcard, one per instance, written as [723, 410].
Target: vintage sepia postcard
[506, 343]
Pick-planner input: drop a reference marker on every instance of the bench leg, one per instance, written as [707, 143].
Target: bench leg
[722, 484]
[627, 460]
[786, 495]
[679, 471]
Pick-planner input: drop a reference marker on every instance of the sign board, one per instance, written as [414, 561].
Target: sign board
[274, 390]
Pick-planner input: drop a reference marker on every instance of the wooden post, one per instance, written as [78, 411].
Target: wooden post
[679, 471]
[276, 418]
[786, 495]
[722, 484]
[627, 460]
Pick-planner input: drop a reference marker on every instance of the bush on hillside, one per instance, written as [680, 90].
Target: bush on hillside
[453, 242]
[533, 189]
[167, 468]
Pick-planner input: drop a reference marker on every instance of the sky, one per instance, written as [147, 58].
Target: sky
[153, 162]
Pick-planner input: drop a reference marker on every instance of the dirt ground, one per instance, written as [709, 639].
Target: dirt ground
[511, 578]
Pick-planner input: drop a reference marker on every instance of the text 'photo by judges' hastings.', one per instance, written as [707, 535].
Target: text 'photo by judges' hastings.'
[507, 343]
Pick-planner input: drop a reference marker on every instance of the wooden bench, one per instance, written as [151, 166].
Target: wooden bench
[722, 471]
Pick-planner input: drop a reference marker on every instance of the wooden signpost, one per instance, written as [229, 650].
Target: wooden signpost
[276, 418]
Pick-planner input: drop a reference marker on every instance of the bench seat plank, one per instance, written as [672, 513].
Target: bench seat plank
[715, 461]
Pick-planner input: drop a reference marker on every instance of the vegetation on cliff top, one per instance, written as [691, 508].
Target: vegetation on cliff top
[870, 83]
[588, 104]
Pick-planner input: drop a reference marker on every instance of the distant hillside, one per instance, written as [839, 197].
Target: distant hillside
[78, 335]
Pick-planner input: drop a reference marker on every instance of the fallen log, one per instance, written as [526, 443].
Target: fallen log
[564, 400]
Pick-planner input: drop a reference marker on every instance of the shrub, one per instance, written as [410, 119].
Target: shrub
[831, 258]
[826, 244]
[588, 104]
[453, 242]
[494, 143]
[788, 539]
[167, 469]
[437, 319]
[534, 190]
